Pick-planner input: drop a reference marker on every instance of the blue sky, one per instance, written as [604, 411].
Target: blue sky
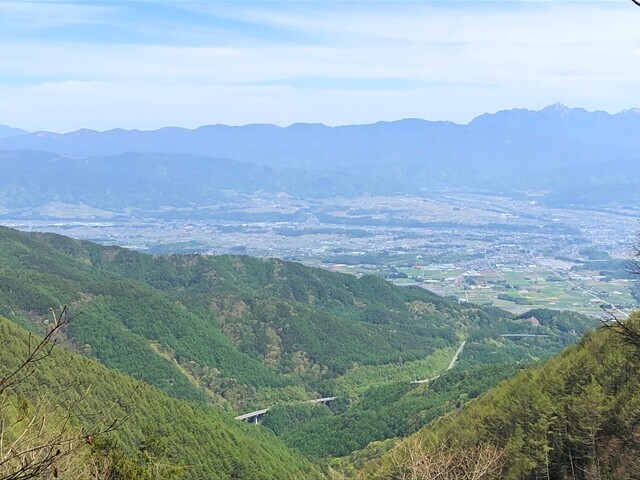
[145, 65]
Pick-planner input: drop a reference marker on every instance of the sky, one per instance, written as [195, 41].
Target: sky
[146, 65]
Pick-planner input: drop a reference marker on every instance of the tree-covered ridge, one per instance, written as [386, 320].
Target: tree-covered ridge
[241, 327]
[387, 411]
[387, 403]
[246, 333]
[119, 319]
[575, 417]
[200, 440]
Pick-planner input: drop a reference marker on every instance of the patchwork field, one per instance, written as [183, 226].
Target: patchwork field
[521, 288]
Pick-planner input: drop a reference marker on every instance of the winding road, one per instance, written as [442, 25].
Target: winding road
[256, 415]
[451, 365]
[455, 357]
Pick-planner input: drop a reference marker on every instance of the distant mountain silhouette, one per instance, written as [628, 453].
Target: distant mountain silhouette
[30, 179]
[511, 151]
[6, 131]
[599, 128]
[519, 141]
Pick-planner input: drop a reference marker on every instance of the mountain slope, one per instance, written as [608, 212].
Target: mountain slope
[598, 128]
[31, 179]
[506, 152]
[122, 321]
[575, 417]
[334, 320]
[429, 153]
[246, 333]
[312, 315]
[201, 440]
[6, 131]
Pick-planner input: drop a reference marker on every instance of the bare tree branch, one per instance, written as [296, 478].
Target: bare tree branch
[34, 440]
[444, 459]
[37, 353]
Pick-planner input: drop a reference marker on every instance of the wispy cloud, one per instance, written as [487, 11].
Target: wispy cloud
[53, 14]
[145, 65]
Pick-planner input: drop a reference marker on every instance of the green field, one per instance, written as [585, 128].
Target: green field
[528, 287]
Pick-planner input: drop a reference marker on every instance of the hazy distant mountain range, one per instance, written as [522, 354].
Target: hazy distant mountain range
[151, 181]
[6, 131]
[558, 151]
[597, 128]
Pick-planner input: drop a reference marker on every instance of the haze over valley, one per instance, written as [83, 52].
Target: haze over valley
[515, 209]
[319, 240]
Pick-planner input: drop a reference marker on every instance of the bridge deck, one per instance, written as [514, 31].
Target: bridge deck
[252, 414]
[257, 413]
[322, 400]
[523, 335]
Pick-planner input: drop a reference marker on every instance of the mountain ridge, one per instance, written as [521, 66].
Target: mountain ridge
[243, 333]
[489, 143]
[7, 131]
[574, 417]
[555, 107]
[410, 156]
[202, 441]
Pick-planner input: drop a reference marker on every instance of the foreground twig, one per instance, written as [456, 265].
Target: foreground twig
[35, 439]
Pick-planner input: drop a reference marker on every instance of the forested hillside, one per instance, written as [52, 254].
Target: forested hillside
[279, 240]
[575, 417]
[244, 333]
[156, 437]
[31, 180]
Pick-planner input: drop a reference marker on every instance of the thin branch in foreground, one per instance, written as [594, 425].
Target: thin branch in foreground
[628, 329]
[37, 353]
[36, 439]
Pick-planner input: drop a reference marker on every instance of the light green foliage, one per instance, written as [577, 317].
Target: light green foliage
[361, 378]
[389, 411]
[575, 417]
[246, 333]
[159, 430]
